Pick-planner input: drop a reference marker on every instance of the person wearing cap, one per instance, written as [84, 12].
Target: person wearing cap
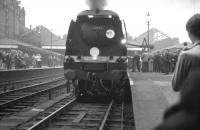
[188, 60]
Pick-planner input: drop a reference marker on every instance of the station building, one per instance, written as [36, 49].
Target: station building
[12, 19]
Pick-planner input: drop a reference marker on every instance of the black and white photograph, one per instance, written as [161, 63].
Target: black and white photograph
[99, 65]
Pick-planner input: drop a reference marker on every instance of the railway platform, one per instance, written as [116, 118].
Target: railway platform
[151, 95]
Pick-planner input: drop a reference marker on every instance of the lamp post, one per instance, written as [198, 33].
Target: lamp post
[148, 23]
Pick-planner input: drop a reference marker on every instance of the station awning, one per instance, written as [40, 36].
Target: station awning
[8, 46]
[13, 44]
[54, 47]
[9, 43]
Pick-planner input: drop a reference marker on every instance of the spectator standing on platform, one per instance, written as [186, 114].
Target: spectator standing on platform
[150, 60]
[145, 63]
[156, 62]
[173, 61]
[162, 62]
[133, 65]
[27, 60]
[39, 60]
[8, 60]
[166, 58]
[19, 61]
[185, 115]
[141, 65]
[188, 60]
[4, 59]
[34, 62]
[185, 48]
[136, 62]
[54, 61]
[50, 61]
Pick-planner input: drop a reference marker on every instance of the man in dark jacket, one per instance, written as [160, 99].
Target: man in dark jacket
[190, 59]
[185, 115]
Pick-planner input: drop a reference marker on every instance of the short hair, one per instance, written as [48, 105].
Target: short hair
[193, 25]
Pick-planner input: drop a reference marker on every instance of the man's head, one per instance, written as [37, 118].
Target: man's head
[193, 27]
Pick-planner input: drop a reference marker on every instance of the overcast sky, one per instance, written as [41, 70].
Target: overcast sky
[166, 15]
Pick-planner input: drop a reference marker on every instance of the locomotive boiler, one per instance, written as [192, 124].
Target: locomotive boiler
[96, 55]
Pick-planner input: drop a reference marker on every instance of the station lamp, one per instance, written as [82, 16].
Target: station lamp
[148, 18]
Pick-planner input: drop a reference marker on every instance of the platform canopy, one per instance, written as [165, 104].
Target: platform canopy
[13, 44]
[8, 43]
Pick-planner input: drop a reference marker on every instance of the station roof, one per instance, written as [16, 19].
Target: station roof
[13, 44]
[9, 43]
[58, 45]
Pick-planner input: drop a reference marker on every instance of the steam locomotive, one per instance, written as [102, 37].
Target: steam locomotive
[96, 54]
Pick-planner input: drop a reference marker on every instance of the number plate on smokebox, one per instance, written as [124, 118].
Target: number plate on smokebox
[94, 67]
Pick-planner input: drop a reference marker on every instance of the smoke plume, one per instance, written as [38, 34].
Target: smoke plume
[96, 4]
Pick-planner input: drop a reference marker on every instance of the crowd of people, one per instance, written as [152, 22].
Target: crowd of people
[17, 59]
[159, 61]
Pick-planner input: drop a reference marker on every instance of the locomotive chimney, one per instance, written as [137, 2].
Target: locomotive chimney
[97, 10]
[96, 5]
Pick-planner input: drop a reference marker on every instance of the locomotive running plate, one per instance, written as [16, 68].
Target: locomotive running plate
[99, 59]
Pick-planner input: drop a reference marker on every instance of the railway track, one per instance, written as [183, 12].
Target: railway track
[67, 113]
[12, 85]
[75, 115]
[17, 100]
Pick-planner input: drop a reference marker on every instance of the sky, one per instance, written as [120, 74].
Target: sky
[169, 16]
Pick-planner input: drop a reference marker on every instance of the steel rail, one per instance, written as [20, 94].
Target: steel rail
[27, 80]
[16, 84]
[2, 106]
[29, 87]
[106, 116]
[42, 123]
